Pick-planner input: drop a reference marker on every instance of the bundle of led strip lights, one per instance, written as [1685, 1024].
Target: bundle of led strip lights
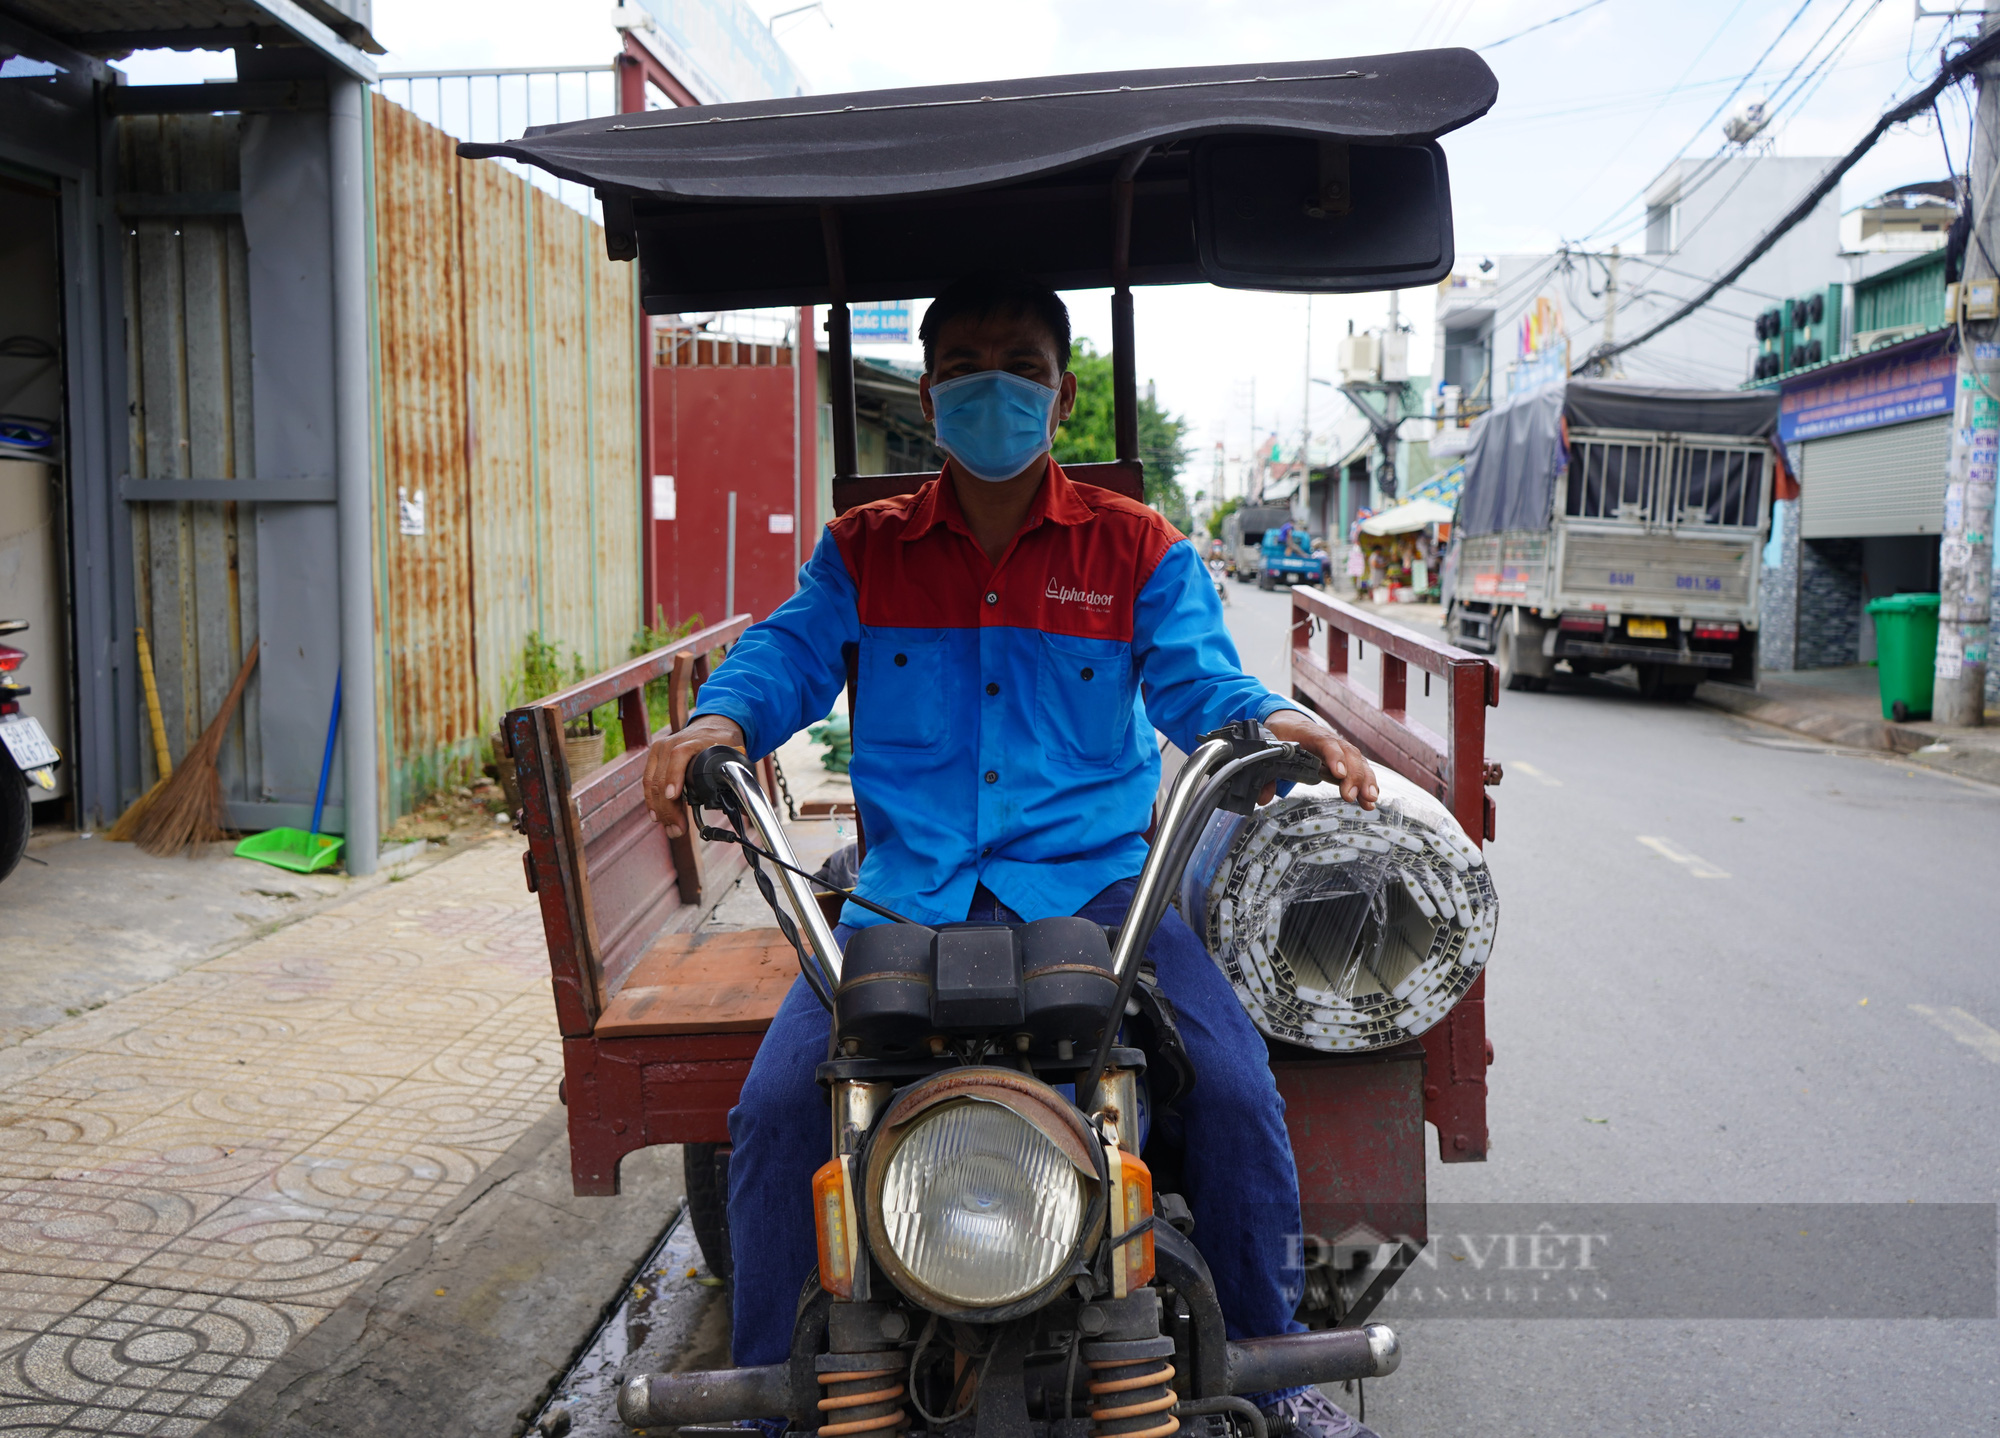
[1343, 928]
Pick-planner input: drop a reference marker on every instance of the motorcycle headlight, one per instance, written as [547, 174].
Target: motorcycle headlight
[980, 1187]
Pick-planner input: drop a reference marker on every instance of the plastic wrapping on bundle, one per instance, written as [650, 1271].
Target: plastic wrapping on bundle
[1343, 928]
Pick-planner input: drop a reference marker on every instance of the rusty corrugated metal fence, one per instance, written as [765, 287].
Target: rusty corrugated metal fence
[507, 419]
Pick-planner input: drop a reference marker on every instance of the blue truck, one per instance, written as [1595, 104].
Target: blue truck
[1279, 565]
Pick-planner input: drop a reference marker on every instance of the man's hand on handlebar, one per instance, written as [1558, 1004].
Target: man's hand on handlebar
[667, 761]
[1344, 764]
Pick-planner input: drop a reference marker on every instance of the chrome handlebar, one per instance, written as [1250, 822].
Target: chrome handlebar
[1218, 762]
[1154, 878]
[731, 770]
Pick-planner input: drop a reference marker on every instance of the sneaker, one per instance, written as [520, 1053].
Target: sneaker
[1312, 1414]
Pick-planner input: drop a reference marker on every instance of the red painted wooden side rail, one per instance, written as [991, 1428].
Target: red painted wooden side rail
[1451, 766]
[610, 882]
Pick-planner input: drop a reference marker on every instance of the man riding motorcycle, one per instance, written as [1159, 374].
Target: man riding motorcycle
[1016, 639]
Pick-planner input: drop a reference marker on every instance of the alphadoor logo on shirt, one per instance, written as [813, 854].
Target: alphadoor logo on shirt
[1061, 594]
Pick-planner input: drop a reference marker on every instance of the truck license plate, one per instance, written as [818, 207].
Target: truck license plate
[27, 743]
[1646, 628]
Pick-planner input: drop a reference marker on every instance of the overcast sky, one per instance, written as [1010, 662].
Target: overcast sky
[1590, 109]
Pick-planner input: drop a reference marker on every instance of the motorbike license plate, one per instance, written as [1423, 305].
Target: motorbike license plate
[28, 745]
[1646, 628]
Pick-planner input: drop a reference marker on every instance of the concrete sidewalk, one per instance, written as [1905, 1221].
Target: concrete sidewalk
[88, 921]
[1843, 706]
[198, 1172]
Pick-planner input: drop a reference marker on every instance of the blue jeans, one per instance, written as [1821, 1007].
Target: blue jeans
[1239, 1179]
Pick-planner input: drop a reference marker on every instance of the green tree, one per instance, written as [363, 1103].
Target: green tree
[1222, 512]
[1089, 436]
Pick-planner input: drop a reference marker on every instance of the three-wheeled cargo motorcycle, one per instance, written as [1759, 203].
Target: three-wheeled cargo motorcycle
[1086, 1308]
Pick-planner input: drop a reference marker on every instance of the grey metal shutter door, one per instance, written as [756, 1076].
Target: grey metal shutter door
[1875, 481]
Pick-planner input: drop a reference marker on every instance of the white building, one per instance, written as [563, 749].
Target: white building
[1527, 319]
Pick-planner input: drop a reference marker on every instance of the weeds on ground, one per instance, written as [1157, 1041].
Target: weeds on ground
[547, 665]
[657, 635]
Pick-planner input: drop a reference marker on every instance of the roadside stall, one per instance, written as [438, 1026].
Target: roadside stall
[1403, 545]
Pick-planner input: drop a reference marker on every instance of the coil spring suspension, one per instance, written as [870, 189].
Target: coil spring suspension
[1131, 1389]
[862, 1394]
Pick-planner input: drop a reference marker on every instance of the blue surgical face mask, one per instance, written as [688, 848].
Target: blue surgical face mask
[994, 424]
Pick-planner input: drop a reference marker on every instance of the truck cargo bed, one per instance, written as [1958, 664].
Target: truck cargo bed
[1674, 571]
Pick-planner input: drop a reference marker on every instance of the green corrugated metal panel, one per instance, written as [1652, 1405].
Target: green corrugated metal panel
[1912, 294]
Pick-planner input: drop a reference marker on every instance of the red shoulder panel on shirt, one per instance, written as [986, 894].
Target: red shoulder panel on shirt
[1083, 580]
[929, 583]
[1073, 579]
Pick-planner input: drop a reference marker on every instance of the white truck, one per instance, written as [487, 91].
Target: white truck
[1605, 524]
[1243, 536]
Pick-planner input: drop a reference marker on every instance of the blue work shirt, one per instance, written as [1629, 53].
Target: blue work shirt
[1003, 714]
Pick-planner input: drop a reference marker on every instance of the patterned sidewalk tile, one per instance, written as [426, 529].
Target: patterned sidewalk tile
[195, 1174]
[143, 1360]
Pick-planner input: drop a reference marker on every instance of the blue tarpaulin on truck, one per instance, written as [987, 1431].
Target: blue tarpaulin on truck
[1517, 452]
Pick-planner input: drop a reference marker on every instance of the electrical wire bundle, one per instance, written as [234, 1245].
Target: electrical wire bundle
[1341, 928]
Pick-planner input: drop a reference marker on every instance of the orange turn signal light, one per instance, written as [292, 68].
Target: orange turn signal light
[1135, 1188]
[833, 1211]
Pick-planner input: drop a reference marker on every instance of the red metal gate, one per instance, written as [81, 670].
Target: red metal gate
[727, 417]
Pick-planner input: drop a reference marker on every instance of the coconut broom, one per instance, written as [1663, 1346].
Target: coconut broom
[128, 822]
[187, 812]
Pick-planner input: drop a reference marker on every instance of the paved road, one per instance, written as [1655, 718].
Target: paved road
[1733, 966]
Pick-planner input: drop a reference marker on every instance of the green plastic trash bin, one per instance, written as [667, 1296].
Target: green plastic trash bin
[1905, 653]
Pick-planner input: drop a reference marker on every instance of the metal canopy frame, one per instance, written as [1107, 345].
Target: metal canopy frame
[1124, 363]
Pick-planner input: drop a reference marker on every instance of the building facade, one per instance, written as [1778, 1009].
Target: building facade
[1509, 323]
[1867, 433]
[326, 389]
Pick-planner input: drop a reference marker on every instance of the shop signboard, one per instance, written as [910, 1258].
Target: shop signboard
[1544, 349]
[1906, 382]
[887, 322]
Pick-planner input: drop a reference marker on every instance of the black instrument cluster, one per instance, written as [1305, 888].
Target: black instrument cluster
[906, 990]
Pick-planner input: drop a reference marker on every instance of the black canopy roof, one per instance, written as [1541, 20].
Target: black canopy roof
[1304, 175]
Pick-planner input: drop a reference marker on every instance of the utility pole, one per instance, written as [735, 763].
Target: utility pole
[1305, 411]
[1253, 478]
[1392, 405]
[1965, 548]
[1611, 298]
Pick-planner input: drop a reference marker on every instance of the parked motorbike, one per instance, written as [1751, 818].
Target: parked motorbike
[26, 755]
[994, 1258]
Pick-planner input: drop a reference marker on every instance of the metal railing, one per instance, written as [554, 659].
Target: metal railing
[1647, 480]
[490, 105]
[725, 337]
[1450, 766]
